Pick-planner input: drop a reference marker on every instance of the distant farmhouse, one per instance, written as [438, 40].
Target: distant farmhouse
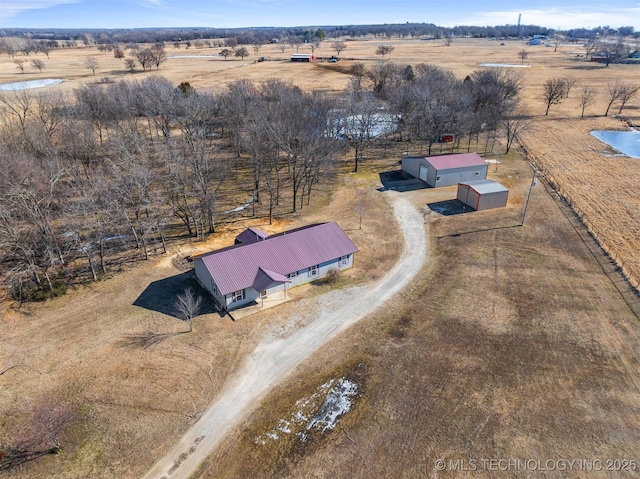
[259, 265]
[303, 57]
[446, 170]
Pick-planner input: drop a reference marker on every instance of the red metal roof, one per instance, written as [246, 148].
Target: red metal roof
[238, 267]
[444, 162]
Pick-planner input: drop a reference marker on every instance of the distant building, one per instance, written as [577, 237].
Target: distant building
[446, 170]
[240, 275]
[303, 57]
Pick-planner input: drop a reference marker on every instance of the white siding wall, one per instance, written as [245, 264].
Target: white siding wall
[456, 175]
[250, 295]
[205, 280]
[324, 268]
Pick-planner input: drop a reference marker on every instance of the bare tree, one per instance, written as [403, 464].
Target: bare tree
[91, 63]
[225, 53]
[338, 46]
[513, 125]
[231, 43]
[187, 306]
[242, 52]
[523, 54]
[361, 123]
[569, 83]
[358, 71]
[118, 53]
[629, 92]
[145, 58]
[37, 63]
[587, 97]
[20, 64]
[158, 55]
[45, 48]
[383, 50]
[313, 44]
[130, 63]
[590, 47]
[295, 42]
[554, 91]
[617, 89]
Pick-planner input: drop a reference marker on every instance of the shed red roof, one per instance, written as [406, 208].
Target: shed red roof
[444, 162]
[239, 267]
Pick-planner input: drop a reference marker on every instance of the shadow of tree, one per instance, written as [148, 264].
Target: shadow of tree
[145, 340]
[160, 296]
[14, 458]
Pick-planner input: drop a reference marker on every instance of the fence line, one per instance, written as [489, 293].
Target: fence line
[621, 268]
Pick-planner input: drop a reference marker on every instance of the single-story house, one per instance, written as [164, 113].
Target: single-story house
[303, 57]
[243, 273]
[482, 194]
[446, 170]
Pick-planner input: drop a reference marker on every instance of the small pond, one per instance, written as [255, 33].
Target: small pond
[627, 142]
[25, 85]
[195, 56]
[504, 65]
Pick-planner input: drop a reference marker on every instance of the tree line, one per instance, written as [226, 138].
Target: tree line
[113, 171]
[109, 173]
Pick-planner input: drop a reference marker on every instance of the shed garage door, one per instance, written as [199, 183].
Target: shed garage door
[423, 173]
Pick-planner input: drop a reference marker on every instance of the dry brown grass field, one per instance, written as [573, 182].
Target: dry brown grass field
[512, 343]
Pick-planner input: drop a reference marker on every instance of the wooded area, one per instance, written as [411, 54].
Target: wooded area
[108, 174]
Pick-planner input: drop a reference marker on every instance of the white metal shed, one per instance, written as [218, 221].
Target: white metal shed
[482, 194]
[446, 170]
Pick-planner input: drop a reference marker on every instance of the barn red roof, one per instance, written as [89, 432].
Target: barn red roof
[444, 162]
[239, 267]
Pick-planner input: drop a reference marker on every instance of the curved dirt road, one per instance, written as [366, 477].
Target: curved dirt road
[275, 357]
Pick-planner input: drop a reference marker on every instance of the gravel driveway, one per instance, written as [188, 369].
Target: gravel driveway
[278, 355]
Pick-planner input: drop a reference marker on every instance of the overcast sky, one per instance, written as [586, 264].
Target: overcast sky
[559, 14]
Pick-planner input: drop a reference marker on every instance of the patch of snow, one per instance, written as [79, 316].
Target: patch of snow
[337, 404]
[26, 85]
[504, 65]
[240, 208]
[337, 396]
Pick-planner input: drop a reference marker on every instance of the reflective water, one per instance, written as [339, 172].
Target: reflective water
[25, 85]
[627, 142]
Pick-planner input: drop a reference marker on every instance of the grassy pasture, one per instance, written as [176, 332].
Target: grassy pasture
[511, 344]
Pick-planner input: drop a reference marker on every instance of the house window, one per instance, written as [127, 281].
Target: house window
[214, 288]
[237, 296]
[477, 173]
[344, 260]
[313, 270]
[437, 178]
[292, 275]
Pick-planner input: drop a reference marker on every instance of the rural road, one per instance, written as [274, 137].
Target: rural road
[276, 357]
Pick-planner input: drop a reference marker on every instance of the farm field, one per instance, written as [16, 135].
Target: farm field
[511, 344]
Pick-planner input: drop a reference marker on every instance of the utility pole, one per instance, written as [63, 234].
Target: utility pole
[526, 204]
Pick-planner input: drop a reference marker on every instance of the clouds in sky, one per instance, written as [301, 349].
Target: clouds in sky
[557, 14]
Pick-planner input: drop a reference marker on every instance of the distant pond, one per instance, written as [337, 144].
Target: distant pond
[627, 142]
[25, 85]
